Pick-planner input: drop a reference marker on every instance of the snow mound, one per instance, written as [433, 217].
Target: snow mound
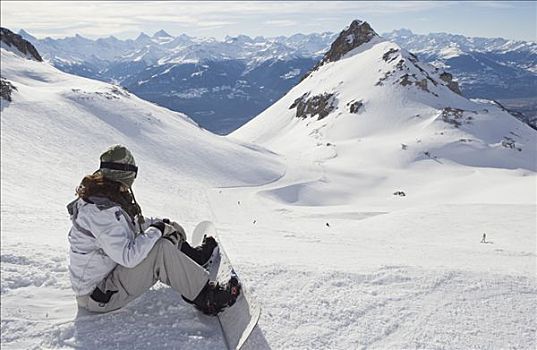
[312, 194]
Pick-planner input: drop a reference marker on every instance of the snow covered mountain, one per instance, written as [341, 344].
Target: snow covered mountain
[365, 234]
[368, 96]
[488, 68]
[223, 84]
[485, 68]
[220, 84]
[436, 43]
[113, 114]
[163, 48]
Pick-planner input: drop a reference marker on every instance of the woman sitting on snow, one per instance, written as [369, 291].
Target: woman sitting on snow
[116, 254]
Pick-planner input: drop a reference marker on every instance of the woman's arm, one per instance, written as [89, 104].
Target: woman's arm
[117, 238]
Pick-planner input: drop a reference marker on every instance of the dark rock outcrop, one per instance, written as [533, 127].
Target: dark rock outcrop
[318, 105]
[452, 116]
[355, 106]
[421, 79]
[451, 84]
[6, 88]
[358, 33]
[510, 143]
[390, 55]
[14, 40]
[456, 116]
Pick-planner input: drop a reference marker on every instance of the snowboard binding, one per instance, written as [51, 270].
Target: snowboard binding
[215, 297]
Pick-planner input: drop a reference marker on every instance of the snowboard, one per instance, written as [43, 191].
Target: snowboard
[238, 320]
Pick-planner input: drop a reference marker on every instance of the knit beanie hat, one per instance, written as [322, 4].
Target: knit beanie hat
[117, 164]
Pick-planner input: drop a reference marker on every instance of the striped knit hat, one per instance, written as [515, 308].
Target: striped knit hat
[117, 164]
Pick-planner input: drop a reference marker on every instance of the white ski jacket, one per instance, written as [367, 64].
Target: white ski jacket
[103, 236]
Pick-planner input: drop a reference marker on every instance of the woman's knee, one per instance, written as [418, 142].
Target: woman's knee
[165, 244]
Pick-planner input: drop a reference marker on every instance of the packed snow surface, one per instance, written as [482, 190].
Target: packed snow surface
[336, 260]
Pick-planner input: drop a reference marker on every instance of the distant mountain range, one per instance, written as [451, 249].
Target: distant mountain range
[487, 68]
[223, 84]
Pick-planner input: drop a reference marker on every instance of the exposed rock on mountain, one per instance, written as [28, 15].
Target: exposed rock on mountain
[414, 74]
[456, 116]
[16, 41]
[308, 107]
[355, 106]
[355, 35]
[6, 88]
[452, 85]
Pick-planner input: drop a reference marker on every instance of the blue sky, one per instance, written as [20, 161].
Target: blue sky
[126, 19]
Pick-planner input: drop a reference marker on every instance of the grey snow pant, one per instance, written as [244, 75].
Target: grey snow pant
[164, 263]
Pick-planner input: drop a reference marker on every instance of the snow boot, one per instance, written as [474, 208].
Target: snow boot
[201, 254]
[215, 297]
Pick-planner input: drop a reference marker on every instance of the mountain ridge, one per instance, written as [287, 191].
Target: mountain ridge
[380, 89]
[269, 67]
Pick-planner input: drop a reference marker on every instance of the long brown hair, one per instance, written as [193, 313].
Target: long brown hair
[99, 186]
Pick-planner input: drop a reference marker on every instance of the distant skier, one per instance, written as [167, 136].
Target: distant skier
[484, 239]
[116, 254]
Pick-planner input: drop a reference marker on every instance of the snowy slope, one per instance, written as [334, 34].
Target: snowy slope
[99, 113]
[334, 258]
[381, 109]
[52, 133]
[379, 223]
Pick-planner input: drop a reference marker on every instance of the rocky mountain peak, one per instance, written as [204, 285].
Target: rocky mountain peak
[143, 36]
[161, 34]
[355, 35]
[16, 41]
[25, 35]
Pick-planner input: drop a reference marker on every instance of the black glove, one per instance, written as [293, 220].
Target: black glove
[163, 227]
[171, 231]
